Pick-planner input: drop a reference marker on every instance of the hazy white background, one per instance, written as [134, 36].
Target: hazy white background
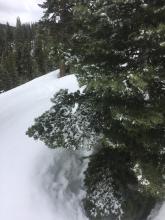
[27, 10]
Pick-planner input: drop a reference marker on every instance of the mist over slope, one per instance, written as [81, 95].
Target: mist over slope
[36, 183]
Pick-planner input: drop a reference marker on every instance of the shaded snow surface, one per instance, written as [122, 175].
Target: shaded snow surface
[36, 183]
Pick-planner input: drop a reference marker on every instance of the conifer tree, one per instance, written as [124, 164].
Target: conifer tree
[117, 50]
[5, 80]
[10, 66]
[59, 15]
[25, 53]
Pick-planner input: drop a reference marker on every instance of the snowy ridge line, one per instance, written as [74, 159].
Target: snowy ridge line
[53, 74]
[35, 183]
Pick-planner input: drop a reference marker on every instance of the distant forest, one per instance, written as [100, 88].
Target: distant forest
[25, 53]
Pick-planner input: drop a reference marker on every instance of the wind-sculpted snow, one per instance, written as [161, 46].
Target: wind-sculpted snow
[36, 183]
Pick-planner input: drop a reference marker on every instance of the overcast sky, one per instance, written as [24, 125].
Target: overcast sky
[27, 10]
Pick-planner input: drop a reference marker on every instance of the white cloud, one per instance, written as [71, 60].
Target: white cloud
[27, 10]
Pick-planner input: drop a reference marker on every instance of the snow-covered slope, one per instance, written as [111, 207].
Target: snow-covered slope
[36, 183]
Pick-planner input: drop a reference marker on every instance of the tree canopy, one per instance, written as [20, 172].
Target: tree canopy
[25, 53]
[117, 50]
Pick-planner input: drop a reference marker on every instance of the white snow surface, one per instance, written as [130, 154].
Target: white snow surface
[161, 214]
[36, 183]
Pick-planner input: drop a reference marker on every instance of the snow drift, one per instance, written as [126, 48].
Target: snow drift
[36, 183]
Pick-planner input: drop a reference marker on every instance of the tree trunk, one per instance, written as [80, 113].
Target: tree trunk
[64, 69]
